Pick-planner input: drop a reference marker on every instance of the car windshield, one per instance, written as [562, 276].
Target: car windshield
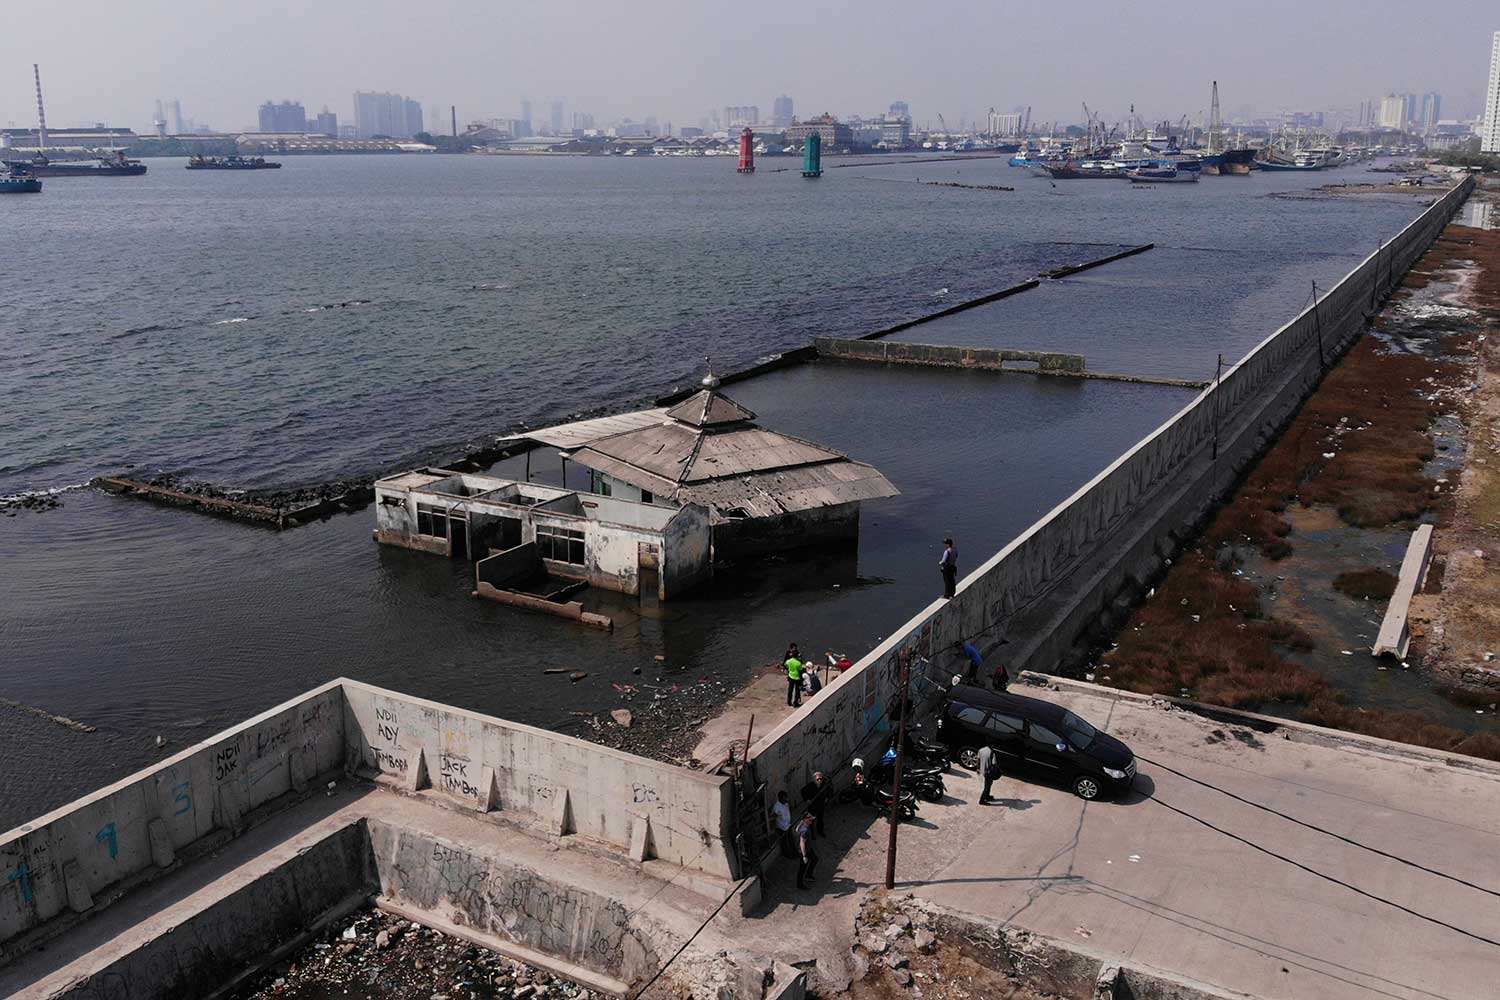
[1079, 733]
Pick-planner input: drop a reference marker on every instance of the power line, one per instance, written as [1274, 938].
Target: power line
[691, 938]
[1329, 878]
[1319, 829]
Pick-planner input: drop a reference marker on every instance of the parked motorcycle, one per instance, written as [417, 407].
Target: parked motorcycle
[865, 790]
[924, 780]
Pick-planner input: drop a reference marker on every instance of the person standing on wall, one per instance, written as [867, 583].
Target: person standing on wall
[793, 679]
[948, 566]
[808, 857]
[989, 769]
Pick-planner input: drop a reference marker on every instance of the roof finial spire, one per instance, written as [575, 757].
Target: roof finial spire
[709, 380]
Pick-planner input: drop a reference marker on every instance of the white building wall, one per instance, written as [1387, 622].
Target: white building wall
[1489, 135]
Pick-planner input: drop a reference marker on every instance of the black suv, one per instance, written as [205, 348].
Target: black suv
[1036, 736]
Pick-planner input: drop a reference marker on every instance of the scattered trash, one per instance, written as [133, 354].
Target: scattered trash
[1347, 652]
[1081, 932]
[577, 676]
[1134, 857]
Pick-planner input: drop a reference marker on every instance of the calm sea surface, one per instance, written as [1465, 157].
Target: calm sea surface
[349, 315]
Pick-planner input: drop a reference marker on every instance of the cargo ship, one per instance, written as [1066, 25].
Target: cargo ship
[117, 165]
[231, 163]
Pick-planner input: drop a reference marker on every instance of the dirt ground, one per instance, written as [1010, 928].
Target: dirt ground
[1250, 616]
[1459, 624]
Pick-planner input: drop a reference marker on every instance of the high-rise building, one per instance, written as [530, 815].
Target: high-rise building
[1394, 111]
[1489, 131]
[1432, 107]
[526, 128]
[901, 109]
[1004, 125]
[781, 111]
[288, 116]
[557, 117]
[174, 117]
[740, 115]
[327, 123]
[582, 121]
[391, 115]
[651, 128]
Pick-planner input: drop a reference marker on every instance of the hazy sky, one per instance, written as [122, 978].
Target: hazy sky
[109, 60]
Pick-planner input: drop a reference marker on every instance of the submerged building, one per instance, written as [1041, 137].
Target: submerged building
[764, 491]
[525, 537]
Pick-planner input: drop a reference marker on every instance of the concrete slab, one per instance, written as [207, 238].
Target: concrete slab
[764, 698]
[1152, 888]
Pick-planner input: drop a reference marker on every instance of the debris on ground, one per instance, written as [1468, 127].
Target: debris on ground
[375, 954]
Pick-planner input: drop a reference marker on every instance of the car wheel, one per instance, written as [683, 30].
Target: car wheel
[1085, 787]
[968, 758]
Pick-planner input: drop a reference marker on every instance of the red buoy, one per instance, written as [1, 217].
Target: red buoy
[747, 152]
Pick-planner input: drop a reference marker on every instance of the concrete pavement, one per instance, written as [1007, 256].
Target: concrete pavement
[1151, 887]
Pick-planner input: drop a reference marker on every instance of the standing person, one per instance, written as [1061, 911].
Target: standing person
[809, 857]
[815, 794]
[948, 566]
[1000, 678]
[781, 815]
[810, 679]
[976, 660]
[793, 679]
[989, 769]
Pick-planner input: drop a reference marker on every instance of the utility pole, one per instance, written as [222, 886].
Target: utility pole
[903, 661]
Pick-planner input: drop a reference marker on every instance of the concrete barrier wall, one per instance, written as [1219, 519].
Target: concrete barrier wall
[1045, 590]
[503, 898]
[561, 784]
[96, 847]
[985, 358]
[203, 953]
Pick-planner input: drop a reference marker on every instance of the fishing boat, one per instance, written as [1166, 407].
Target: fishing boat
[1160, 173]
[19, 179]
[231, 163]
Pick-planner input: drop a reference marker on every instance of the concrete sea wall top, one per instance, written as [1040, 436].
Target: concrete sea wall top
[57, 867]
[1116, 527]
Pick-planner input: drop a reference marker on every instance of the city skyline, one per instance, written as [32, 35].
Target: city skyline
[960, 61]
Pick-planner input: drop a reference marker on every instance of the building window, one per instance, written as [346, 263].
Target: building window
[604, 489]
[432, 521]
[560, 544]
[646, 497]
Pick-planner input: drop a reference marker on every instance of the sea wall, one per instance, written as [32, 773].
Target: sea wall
[1048, 589]
[554, 783]
[935, 355]
[58, 867]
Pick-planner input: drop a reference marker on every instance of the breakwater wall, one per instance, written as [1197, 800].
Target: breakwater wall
[65, 865]
[1059, 581]
[986, 358]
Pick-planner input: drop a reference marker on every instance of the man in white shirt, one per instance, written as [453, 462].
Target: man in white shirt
[781, 815]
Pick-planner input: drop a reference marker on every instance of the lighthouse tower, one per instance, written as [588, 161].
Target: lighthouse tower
[747, 152]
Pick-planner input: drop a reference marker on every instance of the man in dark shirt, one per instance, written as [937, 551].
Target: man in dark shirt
[815, 797]
[948, 566]
[807, 857]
